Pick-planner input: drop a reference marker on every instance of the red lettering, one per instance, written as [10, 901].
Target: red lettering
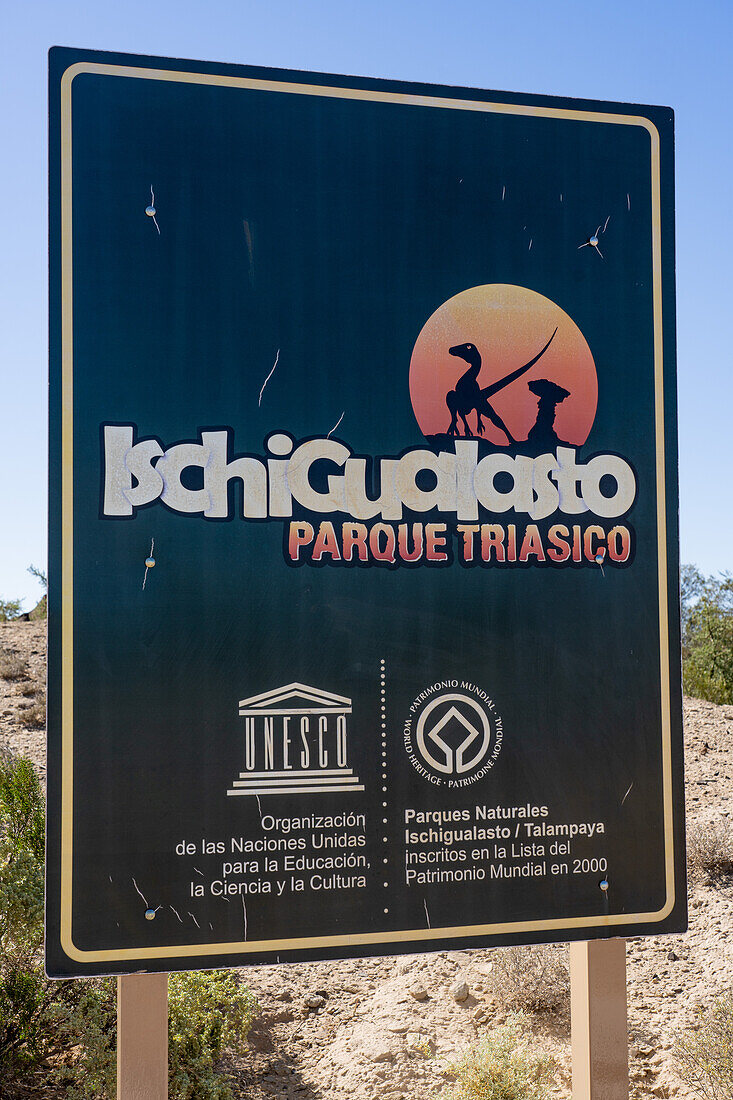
[354, 536]
[326, 542]
[435, 537]
[532, 544]
[301, 534]
[385, 553]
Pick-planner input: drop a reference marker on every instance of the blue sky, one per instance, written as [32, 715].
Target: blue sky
[675, 53]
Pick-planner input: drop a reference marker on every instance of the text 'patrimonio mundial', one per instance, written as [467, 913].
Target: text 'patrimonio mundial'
[456, 483]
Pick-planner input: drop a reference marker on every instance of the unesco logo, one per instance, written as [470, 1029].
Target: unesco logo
[453, 734]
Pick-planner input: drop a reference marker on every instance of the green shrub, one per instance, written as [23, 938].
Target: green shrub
[207, 1014]
[500, 1067]
[62, 1035]
[26, 996]
[87, 1029]
[705, 1058]
[707, 635]
[10, 609]
[26, 1039]
[21, 856]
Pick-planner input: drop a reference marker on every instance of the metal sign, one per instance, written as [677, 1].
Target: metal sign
[363, 626]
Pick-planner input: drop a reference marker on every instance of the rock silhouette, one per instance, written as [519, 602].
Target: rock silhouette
[542, 434]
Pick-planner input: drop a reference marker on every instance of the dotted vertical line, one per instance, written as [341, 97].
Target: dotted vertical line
[383, 758]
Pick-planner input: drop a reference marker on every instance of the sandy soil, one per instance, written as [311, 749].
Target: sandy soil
[355, 1029]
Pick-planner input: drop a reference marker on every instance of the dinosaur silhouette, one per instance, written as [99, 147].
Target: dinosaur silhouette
[469, 397]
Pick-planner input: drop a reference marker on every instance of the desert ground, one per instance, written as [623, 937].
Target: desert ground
[390, 1027]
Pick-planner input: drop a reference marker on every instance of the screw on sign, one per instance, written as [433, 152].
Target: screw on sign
[149, 562]
[151, 211]
[593, 240]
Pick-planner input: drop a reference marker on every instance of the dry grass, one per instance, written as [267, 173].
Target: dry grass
[531, 979]
[710, 851]
[11, 666]
[34, 716]
[705, 1057]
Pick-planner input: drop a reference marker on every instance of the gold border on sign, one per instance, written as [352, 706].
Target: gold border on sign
[67, 531]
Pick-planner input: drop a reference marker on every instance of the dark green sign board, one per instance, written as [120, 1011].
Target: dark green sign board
[363, 613]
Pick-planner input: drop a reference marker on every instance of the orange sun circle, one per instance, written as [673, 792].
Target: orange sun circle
[495, 330]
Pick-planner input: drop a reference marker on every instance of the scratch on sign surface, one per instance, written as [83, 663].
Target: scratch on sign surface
[250, 250]
[272, 371]
[244, 910]
[627, 793]
[427, 915]
[177, 913]
[333, 429]
[194, 920]
[140, 893]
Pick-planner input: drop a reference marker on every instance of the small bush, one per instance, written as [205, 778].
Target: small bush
[87, 1029]
[10, 609]
[25, 994]
[532, 979]
[63, 1035]
[705, 1058]
[207, 1014]
[11, 666]
[710, 851]
[500, 1067]
[707, 635]
[22, 814]
[34, 716]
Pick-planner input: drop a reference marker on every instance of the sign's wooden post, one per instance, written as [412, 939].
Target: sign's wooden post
[598, 1025]
[142, 1037]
